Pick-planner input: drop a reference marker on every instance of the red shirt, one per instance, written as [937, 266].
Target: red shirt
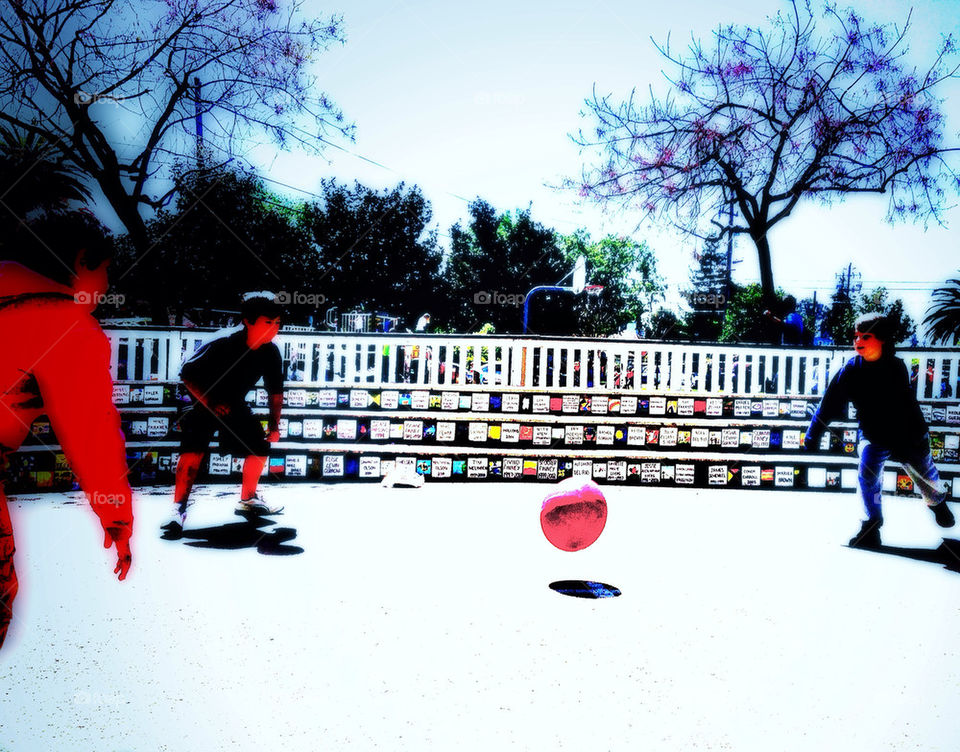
[55, 359]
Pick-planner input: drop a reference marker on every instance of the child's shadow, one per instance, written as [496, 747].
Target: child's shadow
[947, 553]
[247, 534]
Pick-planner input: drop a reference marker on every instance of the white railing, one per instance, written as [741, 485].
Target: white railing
[558, 364]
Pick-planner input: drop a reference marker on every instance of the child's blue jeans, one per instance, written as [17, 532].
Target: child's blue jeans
[919, 466]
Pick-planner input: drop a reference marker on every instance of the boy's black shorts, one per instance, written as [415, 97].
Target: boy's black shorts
[240, 432]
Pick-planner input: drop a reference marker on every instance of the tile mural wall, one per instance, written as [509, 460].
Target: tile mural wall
[358, 435]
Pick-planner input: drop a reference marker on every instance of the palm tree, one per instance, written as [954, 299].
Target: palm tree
[943, 315]
[34, 177]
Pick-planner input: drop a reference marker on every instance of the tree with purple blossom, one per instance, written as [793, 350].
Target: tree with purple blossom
[814, 106]
[115, 87]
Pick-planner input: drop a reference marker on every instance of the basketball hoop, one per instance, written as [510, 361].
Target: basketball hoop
[593, 290]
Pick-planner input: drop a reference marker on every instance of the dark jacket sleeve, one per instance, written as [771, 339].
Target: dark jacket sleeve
[831, 407]
[914, 426]
[904, 389]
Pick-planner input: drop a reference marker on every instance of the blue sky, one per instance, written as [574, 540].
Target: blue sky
[468, 100]
[479, 100]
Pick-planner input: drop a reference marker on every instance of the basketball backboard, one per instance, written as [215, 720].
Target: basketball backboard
[579, 275]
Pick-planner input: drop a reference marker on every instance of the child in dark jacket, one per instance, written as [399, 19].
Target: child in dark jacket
[891, 423]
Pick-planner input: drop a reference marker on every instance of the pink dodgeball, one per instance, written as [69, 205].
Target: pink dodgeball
[573, 516]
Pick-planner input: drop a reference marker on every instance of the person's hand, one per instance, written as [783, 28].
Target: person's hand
[120, 537]
[273, 436]
[768, 313]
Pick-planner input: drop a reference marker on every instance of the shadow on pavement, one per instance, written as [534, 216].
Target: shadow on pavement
[947, 553]
[585, 589]
[238, 535]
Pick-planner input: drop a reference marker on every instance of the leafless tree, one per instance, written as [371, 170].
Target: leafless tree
[813, 106]
[115, 86]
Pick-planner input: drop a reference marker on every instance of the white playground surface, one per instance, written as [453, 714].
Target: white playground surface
[422, 620]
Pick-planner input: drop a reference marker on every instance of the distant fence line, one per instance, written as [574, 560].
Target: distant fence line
[517, 409]
[560, 364]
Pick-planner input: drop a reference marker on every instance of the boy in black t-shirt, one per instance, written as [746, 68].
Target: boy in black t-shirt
[876, 382]
[218, 376]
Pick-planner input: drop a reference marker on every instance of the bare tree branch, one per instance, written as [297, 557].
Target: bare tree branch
[810, 106]
[75, 72]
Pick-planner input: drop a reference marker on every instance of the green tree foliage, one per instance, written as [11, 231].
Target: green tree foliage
[744, 320]
[492, 264]
[355, 249]
[846, 307]
[665, 324]
[225, 235]
[375, 251]
[942, 321]
[627, 271]
[878, 301]
[34, 178]
[707, 294]
[838, 321]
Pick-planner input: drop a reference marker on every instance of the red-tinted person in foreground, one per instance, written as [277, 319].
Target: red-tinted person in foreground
[55, 359]
[218, 377]
[876, 382]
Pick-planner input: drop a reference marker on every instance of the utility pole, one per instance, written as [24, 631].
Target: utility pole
[847, 286]
[815, 331]
[198, 121]
[728, 290]
[729, 245]
[842, 303]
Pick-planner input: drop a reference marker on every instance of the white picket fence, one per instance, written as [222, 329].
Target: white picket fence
[477, 362]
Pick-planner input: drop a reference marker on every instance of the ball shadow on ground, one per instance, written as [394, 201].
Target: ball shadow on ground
[584, 589]
[250, 533]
